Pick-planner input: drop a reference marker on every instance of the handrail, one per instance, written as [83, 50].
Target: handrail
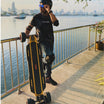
[10, 39]
[74, 28]
[17, 38]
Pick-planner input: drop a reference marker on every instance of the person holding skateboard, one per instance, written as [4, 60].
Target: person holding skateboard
[44, 22]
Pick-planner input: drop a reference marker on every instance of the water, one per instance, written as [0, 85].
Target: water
[11, 27]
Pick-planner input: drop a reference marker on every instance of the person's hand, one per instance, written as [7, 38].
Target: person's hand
[47, 8]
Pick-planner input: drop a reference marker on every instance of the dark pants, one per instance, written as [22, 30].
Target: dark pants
[47, 50]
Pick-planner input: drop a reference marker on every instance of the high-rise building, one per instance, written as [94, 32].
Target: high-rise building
[13, 8]
[1, 11]
[103, 12]
[74, 12]
[95, 12]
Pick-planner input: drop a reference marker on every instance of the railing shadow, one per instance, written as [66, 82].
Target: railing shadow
[67, 86]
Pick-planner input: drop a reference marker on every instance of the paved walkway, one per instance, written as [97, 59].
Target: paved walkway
[76, 80]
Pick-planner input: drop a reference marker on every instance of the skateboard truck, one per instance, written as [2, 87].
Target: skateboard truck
[42, 99]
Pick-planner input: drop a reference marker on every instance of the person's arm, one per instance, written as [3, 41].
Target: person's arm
[52, 16]
[28, 30]
[31, 25]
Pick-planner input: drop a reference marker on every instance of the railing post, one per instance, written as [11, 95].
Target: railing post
[58, 46]
[4, 69]
[89, 38]
[61, 45]
[19, 91]
[11, 63]
[23, 62]
[55, 48]
[95, 36]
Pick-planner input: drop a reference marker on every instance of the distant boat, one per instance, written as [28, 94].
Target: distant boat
[95, 15]
[22, 16]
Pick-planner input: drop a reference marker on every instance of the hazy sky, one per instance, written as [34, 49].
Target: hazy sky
[97, 5]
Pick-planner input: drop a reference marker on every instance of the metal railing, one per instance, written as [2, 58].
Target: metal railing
[67, 43]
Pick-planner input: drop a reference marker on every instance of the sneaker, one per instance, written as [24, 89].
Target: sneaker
[51, 81]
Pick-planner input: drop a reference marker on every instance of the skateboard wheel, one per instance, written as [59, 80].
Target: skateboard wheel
[41, 103]
[30, 101]
[22, 37]
[48, 97]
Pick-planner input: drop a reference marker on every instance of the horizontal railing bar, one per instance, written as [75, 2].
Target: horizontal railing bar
[10, 39]
[74, 28]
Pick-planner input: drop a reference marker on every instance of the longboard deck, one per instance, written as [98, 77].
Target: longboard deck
[36, 75]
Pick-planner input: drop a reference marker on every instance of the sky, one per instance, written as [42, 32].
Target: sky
[97, 5]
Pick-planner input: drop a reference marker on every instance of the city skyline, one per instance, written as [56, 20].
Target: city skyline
[94, 5]
[14, 11]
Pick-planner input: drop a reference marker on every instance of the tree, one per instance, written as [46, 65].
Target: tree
[77, 1]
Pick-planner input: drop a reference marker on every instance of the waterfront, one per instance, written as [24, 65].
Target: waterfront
[16, 26]
[11, 27]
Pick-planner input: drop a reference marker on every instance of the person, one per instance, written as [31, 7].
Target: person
[43, 23]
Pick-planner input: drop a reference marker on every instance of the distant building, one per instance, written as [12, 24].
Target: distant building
[68, 13]
[95, 12]
[74, 12]
[80, 12]
[61, 12]
[56, 12]
[1, 11]
[103, 12]
[13, 8]
[9, 10]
